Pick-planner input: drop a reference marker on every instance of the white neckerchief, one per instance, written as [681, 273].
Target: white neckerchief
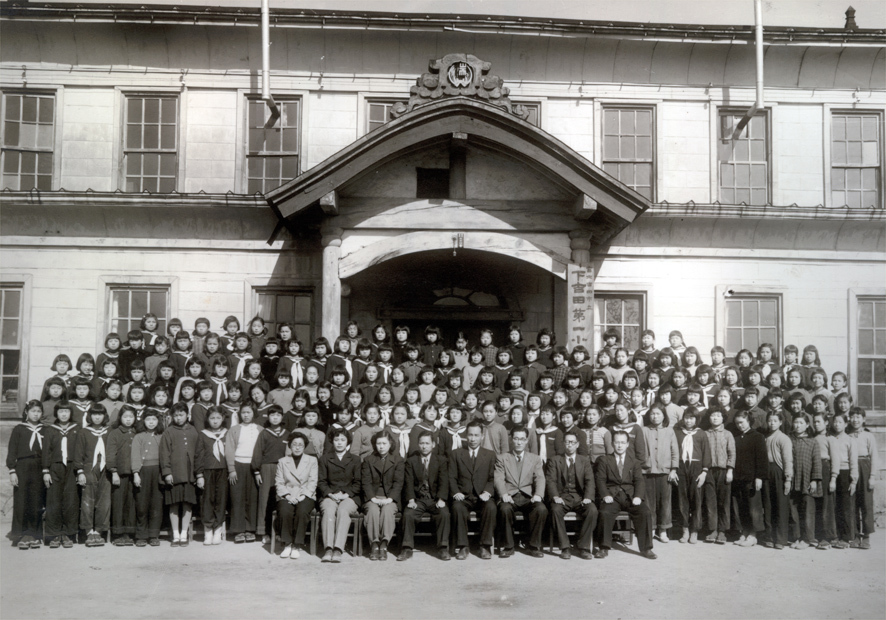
[64, 432]
[242, 358]
[543, 442]
[385, 415]
[403, 436]
[218, 446]
[686, 451]
[296, 372]
[456, 434]
[222, 392]
[98, 456]
[35, 434]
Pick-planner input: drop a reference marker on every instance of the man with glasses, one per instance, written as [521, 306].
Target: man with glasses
[520, 485]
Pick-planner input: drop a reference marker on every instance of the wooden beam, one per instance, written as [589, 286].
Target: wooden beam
[585, 207]
[329, 203]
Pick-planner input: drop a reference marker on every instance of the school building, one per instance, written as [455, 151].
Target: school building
[465, 171]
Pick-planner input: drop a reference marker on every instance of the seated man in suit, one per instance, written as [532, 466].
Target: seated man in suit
[570, 485]
[471, 476]
[426, 489]
[620, 486]
[520, 484]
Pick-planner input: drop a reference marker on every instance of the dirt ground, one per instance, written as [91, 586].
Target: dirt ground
[245, 581]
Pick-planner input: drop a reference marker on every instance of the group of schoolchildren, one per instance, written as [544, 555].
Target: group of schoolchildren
[758, 448]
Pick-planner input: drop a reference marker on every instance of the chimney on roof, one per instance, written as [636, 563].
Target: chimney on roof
[850, 20]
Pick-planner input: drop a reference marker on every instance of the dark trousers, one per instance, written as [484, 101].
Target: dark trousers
[864, 499]
[825, 520]
[267, 498]
[689, 495]
[844, 508]
[658, 496]
[802, 506]
[62, 501]
[776, 506]
[717, 498]
[95, 503]
[587, 515]
[28, 498]
[244, 500]
[123, 507]
[294, 519]
[214, 498]
[487, 513]
[640, 517]
[148, 504]
[536, 513]
[441, 522]
[749, 503]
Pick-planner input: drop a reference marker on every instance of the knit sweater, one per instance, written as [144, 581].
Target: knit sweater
[722, 445]
[844, 455]
[662, 452]
[781, 452]
[807, 463]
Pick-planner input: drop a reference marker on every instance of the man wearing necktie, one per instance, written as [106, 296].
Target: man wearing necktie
[570, 487]
[471, 485]
[520, 484]
[620, 486]
[426, 489]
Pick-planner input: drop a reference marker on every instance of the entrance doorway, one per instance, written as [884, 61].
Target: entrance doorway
[468, 291]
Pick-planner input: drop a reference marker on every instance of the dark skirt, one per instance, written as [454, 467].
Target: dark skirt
[181, 492]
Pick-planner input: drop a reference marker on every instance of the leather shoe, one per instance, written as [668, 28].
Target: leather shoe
[485, 554]
[601, 553]
[462, 554]
[505, 553]
[650, 555]
[383, 554]
[584, 554]
[405, 554]
[565, 554]
[327, 556]
[373, 552]
[444, 554]
[538, 553]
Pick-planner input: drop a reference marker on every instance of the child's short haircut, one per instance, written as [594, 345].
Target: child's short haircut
[220, 360]
[640, 356]
[695, 389]
[213, 336]
[530, 347]
[647, 332]
[135, 335]
[570, 411]
[338, 431]
[275, 409]
[612, 333]
[820, 398]
[112, 336]
[410, 347]
[572, 373]
[137, 364]
[486, 370]
[751, 391]
[791, 348]
[171, 323]
[166, 364]
[385, 346]
[581, 349]
[741, 413]
[202, 321]
[675, 332]
[718, 349]
[844, 396]
[560, 350]
[820, 371]
[839, 374]
[599, 374]
[206, 385]
[859, 411]
[161, 340]
[775, 392]
[272, 341]
[546, 375]
[690, 412]
[183, 335]
[433, 329]
[62, 404]
[546, 331]
[98, 409]
[364, 345]
[485, 330]
[666, 389]
[457, 373]
[756, 368]
[772, 414]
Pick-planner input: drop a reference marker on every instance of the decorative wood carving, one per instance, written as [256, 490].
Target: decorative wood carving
[460, 75]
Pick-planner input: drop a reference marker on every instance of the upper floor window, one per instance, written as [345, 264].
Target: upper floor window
[28, 141]
[743, 161]
[151, 143]
[129, 304]
[286, 305]
[855, 159]
[628, 147]
[272, 149]
[752, 320]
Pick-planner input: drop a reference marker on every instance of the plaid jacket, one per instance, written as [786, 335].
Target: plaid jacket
[807, 464]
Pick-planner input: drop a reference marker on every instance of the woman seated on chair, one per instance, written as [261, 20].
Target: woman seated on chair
[382, 489]
[338, 483]
[296, 493]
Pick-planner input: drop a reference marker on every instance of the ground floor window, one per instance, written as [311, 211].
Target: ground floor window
[626, 312]
[293, 306]
[10, 347]
[752, 320]
[871, 353]
[129, 304]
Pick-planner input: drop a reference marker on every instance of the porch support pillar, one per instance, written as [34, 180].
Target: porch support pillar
[331, 294]
[580, 292]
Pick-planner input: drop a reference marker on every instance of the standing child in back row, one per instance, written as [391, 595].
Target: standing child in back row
[177, 455]
[24, 460]
[866, 447]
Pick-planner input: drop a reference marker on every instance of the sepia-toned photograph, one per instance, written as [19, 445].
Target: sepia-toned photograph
[475, 309]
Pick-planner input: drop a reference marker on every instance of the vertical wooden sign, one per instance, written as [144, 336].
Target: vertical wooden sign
[580, 306]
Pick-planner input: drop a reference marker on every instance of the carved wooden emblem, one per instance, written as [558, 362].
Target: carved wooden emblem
[459, 75]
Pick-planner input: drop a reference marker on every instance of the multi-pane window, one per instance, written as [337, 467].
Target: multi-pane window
[277, 306]
[855, 159]
[625, 312]
[28, 139]
[10, 348]
[743, 161]
[628, 147]
[129, 304]
[151, 144]
[378, 112]
[272, 150]
[751, 321]
[872, 353]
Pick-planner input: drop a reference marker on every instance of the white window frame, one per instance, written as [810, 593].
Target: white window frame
[24, 281]
[828, 111]
[604, 287]
[59, 95]
[768, 114]
[608, 292]
[252, 287]
[181, 96]
[280, 99]
[852, 365]
[727, 291]
[634, 105]
[106, 283]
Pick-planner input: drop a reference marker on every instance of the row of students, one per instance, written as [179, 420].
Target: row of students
[547, 426]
